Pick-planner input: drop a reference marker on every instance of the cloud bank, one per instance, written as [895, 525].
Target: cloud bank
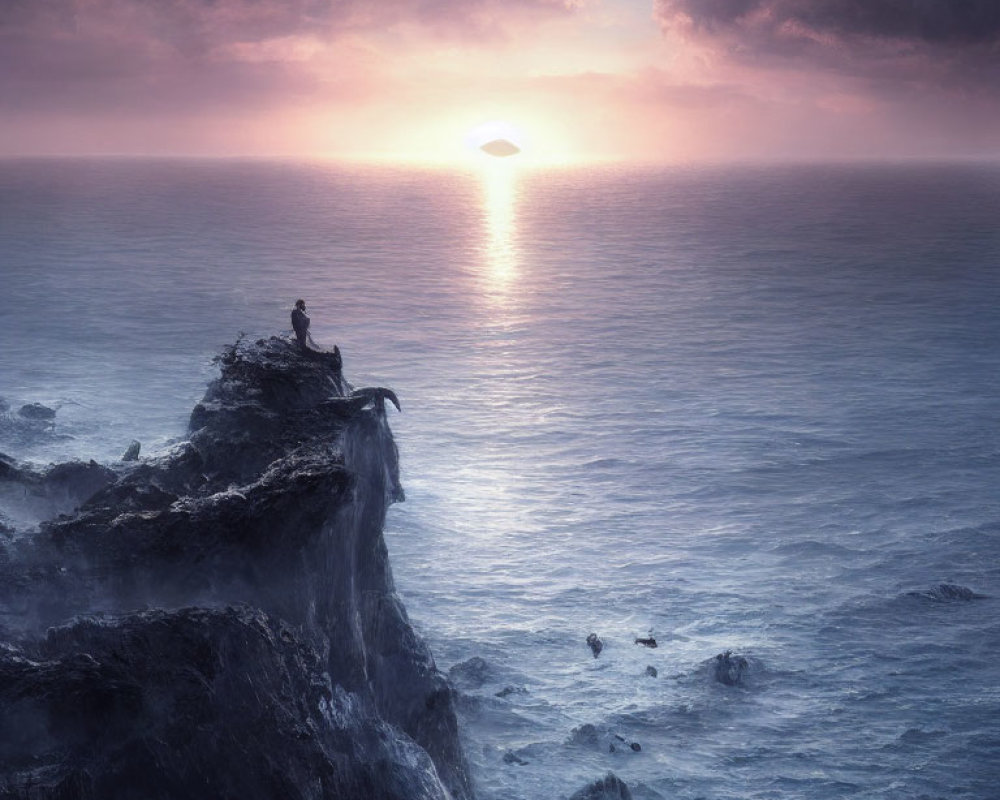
[166, 54]
[942, 42]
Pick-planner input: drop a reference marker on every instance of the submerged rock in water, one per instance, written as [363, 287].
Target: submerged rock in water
[948, 593]
[620, 743]
[31, 425]
[586, 735]
[290, 670]
[610, 787]
[470, 674]
[595, 644]
[37, 411]
[507, 691]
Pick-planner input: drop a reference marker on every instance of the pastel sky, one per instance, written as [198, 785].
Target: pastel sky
[641, 79]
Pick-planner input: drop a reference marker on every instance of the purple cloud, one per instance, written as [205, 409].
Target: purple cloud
[927, 41]
[66, 55]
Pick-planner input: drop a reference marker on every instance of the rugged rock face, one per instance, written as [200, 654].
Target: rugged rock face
[610, 787]
[279, 662]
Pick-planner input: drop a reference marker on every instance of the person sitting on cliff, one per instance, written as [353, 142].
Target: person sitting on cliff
[300, 322]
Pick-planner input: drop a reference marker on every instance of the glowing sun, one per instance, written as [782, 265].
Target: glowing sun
[497, 138]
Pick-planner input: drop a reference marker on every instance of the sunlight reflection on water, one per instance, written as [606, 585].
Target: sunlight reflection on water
[499, 206]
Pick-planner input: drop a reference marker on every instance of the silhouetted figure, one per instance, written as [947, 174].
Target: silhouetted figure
[300, 322]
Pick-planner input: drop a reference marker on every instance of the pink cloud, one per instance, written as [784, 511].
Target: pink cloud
[145, 54]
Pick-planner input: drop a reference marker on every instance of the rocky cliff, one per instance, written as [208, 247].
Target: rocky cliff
[221, 622]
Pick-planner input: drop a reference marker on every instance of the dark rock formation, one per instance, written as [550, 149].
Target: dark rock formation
[595, 644]
[590, 736]
[586, 735]
[507, 691]
[947, 593]
[132, 451]
[37, 411]
[651, 672]
[649, 642]
[470, 674]
[280, 663]
[729, 669]
[620, 742]
[29, 495]
[610, 787]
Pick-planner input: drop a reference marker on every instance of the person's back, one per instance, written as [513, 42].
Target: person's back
[300, 322]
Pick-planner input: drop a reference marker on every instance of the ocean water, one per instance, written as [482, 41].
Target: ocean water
[747, 408]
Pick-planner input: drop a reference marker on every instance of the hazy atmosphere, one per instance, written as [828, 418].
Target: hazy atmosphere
[578, 79]
[499, 399]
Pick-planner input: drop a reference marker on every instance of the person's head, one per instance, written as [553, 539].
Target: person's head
[300, 305]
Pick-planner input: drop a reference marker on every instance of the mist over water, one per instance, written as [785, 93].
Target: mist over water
[746, 408]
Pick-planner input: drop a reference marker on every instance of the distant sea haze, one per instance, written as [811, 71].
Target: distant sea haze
[729, 408]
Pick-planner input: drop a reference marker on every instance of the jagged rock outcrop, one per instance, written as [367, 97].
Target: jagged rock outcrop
[28, 495]
[610, 787]
[278, 661]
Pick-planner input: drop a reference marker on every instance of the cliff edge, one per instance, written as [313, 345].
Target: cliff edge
[222, 622]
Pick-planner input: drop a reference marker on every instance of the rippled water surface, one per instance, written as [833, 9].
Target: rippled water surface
[744, 408]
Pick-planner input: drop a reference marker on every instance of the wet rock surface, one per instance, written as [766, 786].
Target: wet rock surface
[610, 787]
[947, 593]
[730, 670]
[223, 621]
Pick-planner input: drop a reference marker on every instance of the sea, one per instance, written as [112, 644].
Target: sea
[745, 407]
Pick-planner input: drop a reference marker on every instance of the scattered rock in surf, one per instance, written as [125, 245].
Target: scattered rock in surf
[510, 757]
[729, 669]
[651, 672]
[471, 674]
[595, 644]
[649, 642]
[948, 593]
[624, 743]
[132, 453]
[586, 735]
[610, 787]
[38, 412]
[22, 430]
[507, 691]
